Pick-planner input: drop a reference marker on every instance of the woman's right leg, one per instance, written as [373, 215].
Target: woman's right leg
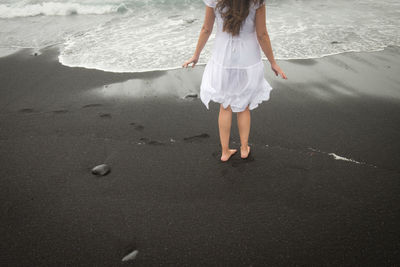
[243, 119]
[224, 124]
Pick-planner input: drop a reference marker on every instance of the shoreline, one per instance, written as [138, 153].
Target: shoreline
[319, 189]
[38, 51]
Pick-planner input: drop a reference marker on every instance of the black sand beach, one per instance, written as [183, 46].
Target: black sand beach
[168, 196]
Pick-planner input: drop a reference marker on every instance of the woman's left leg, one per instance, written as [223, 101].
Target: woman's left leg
[224, 123]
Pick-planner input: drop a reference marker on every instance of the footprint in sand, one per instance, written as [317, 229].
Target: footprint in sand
[224, 172]
[92, 105]
[297, 167]
[239, 164]
[215, 154]
[60, 111]
[151, 142]
[26, 110]
[138, 127]
[196, 137]
[105, 115]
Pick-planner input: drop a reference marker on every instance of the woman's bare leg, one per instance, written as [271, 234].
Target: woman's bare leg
[224, 123]
[243, 119]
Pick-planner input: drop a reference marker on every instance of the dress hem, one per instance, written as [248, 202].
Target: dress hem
[263, 95]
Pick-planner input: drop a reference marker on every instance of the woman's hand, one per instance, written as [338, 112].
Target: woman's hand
[278, 70]
[193, 60]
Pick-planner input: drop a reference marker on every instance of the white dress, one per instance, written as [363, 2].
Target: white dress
[234, 75]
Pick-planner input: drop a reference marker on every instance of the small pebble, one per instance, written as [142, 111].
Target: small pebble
[191, 96]
[101, 170]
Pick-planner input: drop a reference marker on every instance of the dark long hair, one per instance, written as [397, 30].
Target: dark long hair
[236, 12]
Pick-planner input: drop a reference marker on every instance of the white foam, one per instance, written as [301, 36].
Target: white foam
[162, 34]
[337, 157]
[130, 256]
[155, 40]
[57, 9]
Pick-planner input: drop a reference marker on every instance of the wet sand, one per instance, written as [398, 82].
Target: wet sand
[168, 196]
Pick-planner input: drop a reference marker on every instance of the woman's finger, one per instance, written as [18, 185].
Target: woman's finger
[185, 65]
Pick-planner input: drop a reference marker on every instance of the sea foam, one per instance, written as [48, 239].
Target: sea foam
[146, 35]
[57, 9]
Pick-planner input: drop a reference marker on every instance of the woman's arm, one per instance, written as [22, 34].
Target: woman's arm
[205, 33]
[265, 42]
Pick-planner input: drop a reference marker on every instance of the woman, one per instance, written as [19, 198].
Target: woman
[234, 75]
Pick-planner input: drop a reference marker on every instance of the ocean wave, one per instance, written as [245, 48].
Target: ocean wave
[162, 34]
[8, 11]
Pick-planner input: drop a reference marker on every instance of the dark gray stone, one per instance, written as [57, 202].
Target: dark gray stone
[101, 170]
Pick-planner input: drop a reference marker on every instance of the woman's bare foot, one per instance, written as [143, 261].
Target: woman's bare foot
[244, 152]
[226, 156]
